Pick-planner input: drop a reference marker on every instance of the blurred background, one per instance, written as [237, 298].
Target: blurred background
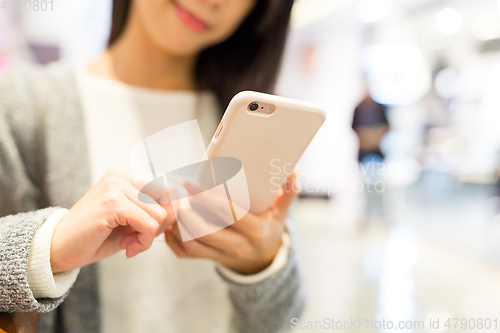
[399, 215]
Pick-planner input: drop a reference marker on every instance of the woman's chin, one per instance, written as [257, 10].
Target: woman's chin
[182, 47]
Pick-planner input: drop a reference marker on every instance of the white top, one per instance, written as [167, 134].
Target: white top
[154, 291]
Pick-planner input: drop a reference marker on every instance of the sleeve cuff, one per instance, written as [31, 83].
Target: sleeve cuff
[279, 262]
[43, 283]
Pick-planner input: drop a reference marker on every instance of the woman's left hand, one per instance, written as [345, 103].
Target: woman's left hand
[247, 246]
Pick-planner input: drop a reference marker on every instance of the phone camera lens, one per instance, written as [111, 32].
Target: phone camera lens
[253, 106]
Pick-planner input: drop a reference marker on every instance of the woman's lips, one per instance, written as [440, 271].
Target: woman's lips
[189, 19]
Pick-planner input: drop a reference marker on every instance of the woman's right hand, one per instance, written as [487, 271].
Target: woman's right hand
[109, 217]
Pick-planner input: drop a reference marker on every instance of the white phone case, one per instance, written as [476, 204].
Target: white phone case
[268, 145]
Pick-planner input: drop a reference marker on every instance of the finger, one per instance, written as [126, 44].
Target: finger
[122, 180]
[113, 242]
[128, 239]
[216, 203]
[226, 241]
[153, 209]
[249, 228]
[143, 223]
[195, 248]
[288, 194]
[171, 218]
[156, 189]
[135, 248]
[163, 214]
[250, 224]
[175, 244]
[195, 224]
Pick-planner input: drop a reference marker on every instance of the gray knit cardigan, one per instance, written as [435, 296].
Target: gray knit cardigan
[57, 162]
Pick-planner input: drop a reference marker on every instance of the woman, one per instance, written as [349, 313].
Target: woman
[62, 132]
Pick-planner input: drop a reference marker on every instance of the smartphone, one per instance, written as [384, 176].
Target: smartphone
[268, 134]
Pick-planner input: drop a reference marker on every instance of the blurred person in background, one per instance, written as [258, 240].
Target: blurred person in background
[62, 131]
[370, 124]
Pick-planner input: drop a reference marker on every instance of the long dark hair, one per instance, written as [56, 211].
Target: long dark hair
[248, 60]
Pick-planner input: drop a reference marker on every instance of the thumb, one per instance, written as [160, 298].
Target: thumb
[289, 192]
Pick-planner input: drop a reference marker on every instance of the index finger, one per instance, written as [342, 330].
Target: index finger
[217, 204]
